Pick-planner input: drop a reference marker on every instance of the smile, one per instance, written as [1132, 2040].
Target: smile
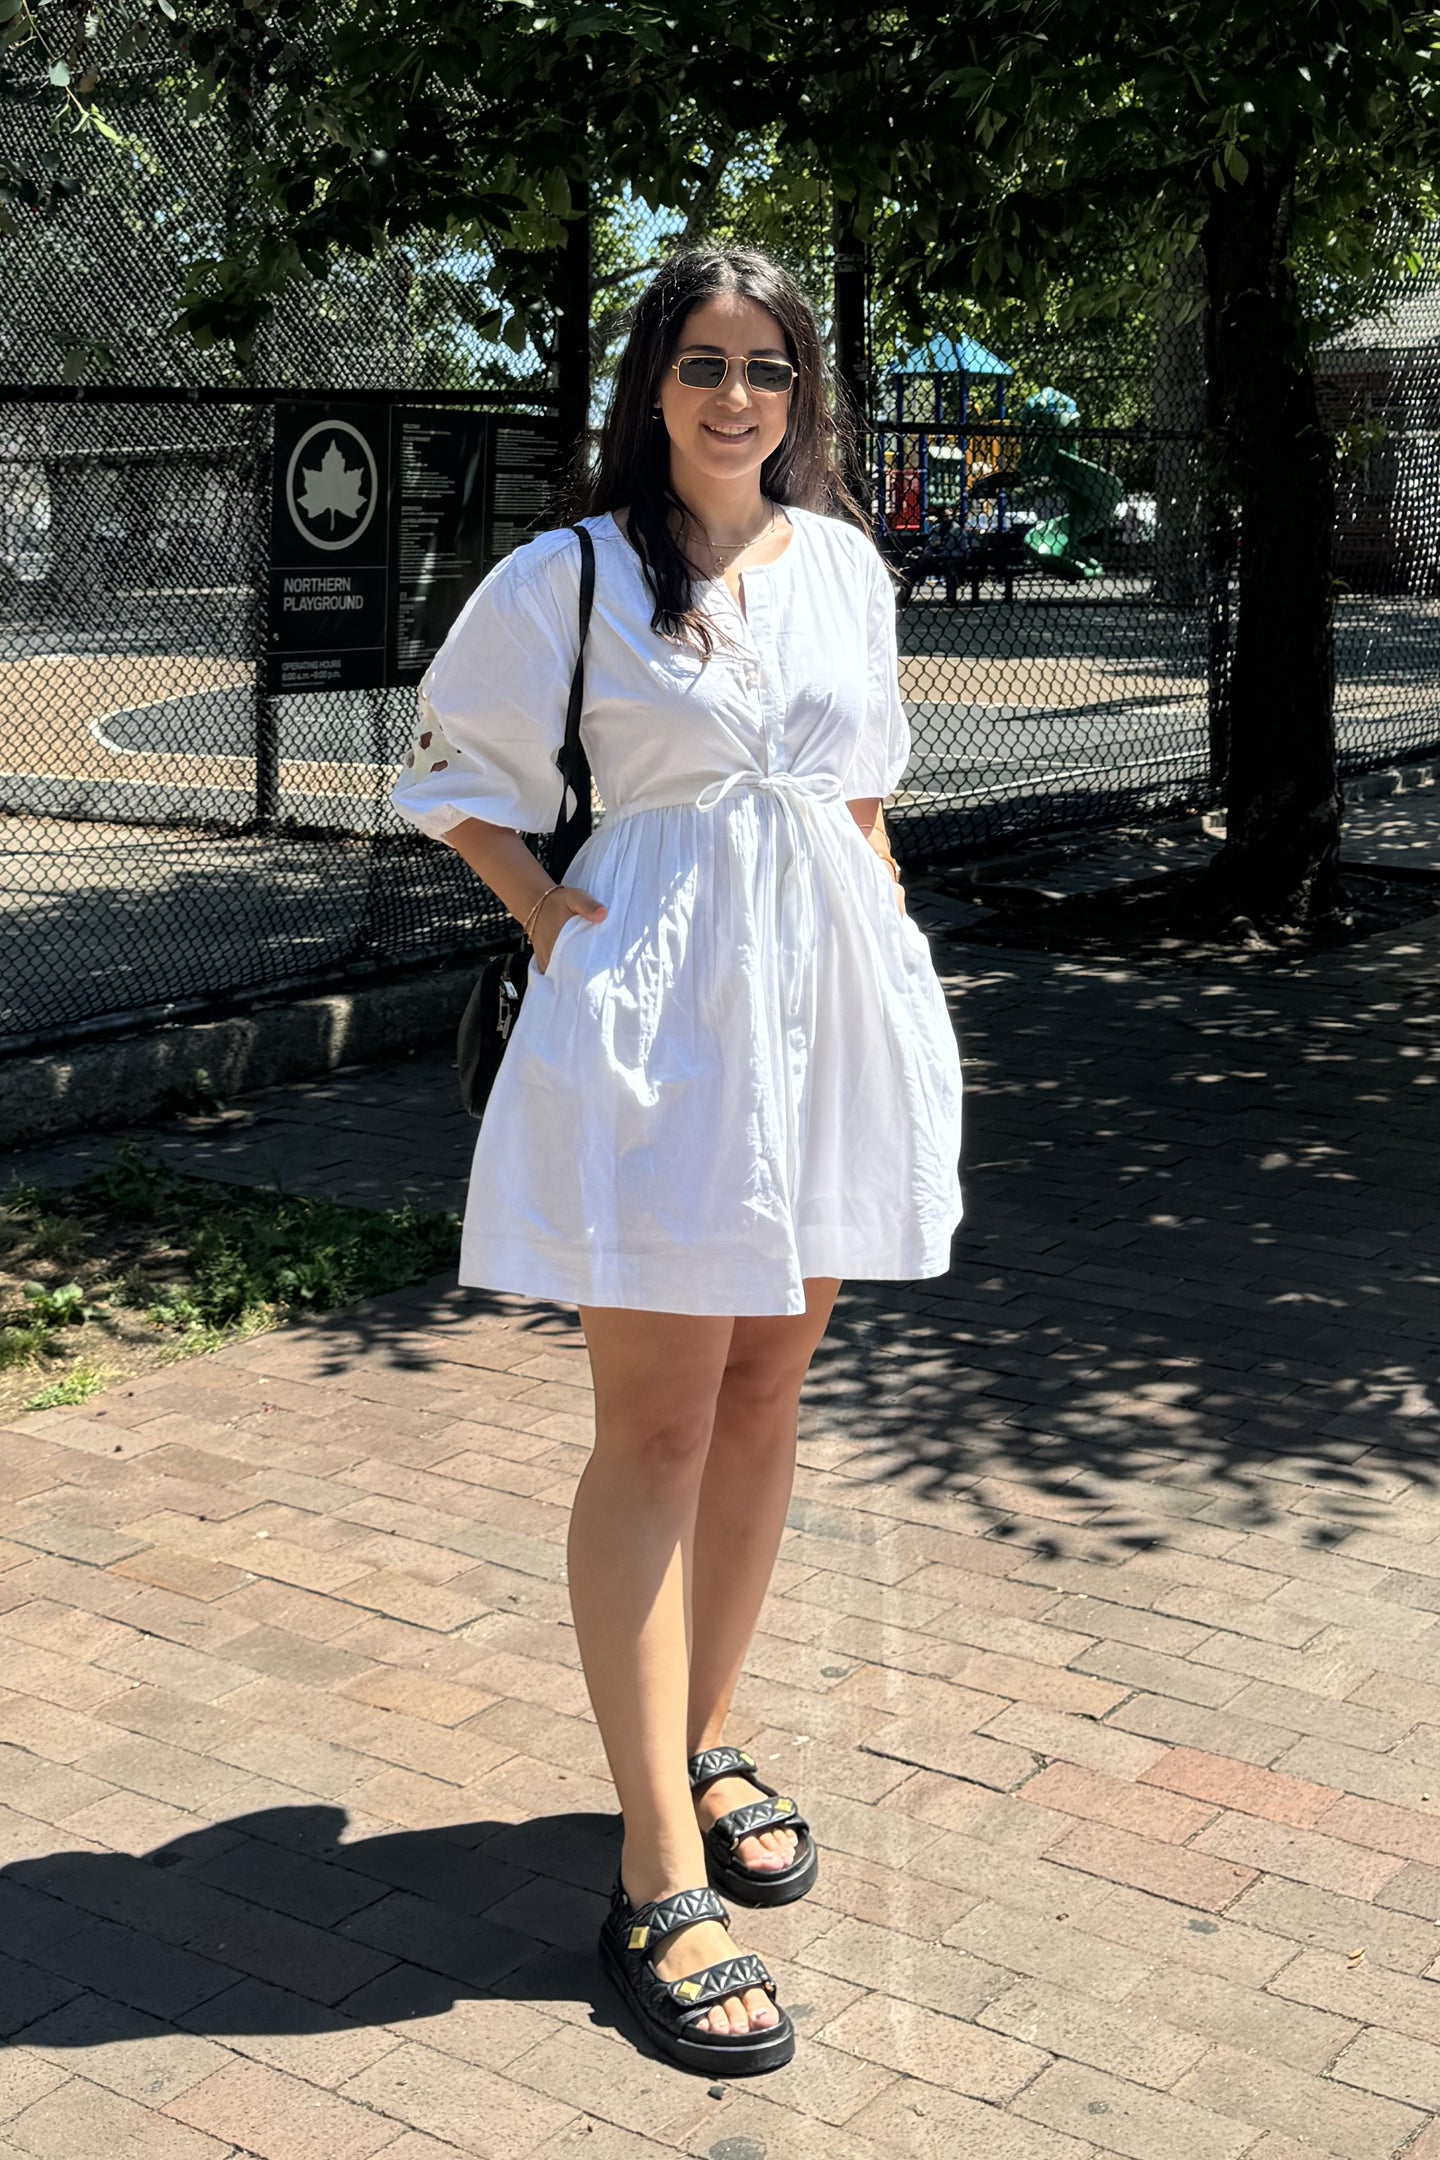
[728, 434]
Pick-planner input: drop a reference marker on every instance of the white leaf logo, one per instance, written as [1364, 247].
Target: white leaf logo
[334, 489]
[332, 504]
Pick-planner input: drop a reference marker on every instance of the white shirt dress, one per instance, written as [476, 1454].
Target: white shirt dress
[746, 1074]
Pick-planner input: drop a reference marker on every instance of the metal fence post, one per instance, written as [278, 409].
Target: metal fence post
[267, 706]
[1220, 561]
[1220, 549]
[572, 338]
[267, 762]
[851, 358]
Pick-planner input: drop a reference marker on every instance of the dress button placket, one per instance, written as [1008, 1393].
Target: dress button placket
[758, 677]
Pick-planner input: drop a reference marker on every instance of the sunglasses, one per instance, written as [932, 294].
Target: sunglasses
[707, 371]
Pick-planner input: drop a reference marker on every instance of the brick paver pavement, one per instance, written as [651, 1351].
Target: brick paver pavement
[1104, 1652]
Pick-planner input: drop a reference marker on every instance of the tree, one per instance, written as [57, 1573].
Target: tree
[1046, 152]
[1045, 141]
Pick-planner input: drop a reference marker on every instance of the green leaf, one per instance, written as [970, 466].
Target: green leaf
[1236, 163]
[59, 73]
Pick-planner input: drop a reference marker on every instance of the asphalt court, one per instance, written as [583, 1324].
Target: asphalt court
[1031, 701]
[168, 740]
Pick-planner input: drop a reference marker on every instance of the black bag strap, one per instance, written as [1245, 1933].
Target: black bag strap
[572, 831]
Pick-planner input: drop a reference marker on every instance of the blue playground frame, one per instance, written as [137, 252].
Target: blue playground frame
[904, 509]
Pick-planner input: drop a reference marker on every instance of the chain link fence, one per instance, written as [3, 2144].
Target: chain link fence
[175, 839]
[172, 836]
[1067, 589]
[1380, 380]
[1058, 589]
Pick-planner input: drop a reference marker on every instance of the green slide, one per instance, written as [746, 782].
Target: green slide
[1089, 492]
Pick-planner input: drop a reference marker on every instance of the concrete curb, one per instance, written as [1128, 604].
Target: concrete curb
[100, 1085]
[1393, 780]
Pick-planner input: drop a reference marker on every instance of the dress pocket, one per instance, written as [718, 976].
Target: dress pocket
[571, 922]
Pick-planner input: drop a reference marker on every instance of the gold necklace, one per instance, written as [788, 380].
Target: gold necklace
[738, 547]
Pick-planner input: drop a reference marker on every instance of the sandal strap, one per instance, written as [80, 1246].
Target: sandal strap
[718, 1762]
[777, 1813]
[731, 1976]
[647, 1926]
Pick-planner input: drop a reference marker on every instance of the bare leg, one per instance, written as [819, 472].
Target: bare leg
[743, 1497]
[657, 1376]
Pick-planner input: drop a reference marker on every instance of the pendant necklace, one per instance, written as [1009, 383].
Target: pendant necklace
[738, 547]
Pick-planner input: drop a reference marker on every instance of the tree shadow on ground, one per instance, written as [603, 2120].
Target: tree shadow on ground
[268, 1924]
[1194, 1295]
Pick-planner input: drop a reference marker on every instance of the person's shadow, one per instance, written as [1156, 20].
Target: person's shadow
[268, 1924]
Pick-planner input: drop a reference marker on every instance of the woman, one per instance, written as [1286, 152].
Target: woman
[733, 1081]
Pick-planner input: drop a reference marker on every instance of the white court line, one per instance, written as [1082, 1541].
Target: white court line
[93, 728]
[152, 705]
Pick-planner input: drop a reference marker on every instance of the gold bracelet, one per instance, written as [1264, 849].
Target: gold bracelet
[530, 918]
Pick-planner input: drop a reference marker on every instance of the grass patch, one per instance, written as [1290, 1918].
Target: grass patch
[139, 1266]
[76, 1387]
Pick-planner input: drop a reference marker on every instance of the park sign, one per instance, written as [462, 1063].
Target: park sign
[384, 518]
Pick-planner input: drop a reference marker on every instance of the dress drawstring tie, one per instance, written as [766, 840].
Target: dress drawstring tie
[797, 794]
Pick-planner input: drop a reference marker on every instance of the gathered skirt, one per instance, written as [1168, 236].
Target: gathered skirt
[745, 1075]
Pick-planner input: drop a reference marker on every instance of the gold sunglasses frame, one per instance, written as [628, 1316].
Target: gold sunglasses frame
[748, 361]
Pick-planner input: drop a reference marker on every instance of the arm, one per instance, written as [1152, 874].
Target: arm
[490, 718]
[500, 858]
[870, 818]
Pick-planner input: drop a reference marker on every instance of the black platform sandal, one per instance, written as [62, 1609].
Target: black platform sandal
[669, 2010]
[752, 1886]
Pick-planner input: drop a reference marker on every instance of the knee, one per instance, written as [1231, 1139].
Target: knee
[666, 1449]
[759, 1391]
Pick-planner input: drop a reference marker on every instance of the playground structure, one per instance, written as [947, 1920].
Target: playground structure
[945, 488]
[1091, 494]
[947, 385]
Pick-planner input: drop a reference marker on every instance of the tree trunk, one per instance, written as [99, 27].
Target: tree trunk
[1280, 863]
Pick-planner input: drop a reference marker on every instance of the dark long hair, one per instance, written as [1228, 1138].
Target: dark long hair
[633, 468]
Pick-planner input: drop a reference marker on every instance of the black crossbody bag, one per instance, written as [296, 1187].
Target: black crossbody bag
[495, 1001]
